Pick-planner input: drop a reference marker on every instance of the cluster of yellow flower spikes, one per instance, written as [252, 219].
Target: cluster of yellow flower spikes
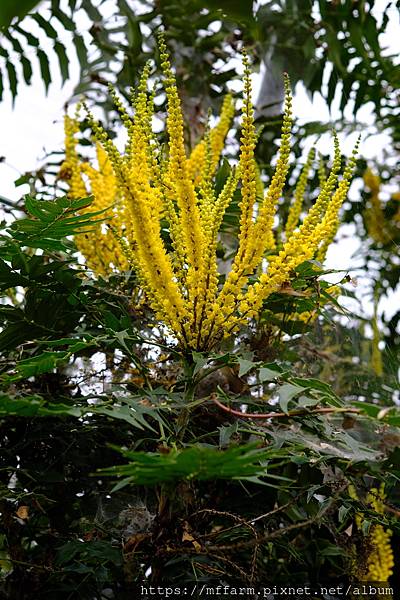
[380, 560]
[147, 187]
[101, 246]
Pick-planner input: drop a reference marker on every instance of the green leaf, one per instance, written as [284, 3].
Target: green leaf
[286, 393]
[134, 36]
[238, 10]
[53, 221]
[9, 9]
[365, 527]
[32, 406]
[31, 39]
[195, 463]
[43, 363]
[199, 361]
[360, 96]
[26, 69]
[44, 68]
[305, 401]
[62, 59]
[64, 19]
[92, 11]
[45, 25]
[22, 180]
[322, 389]
[129, 410]
[371, 33]
[372, 410]
[266, 374]
[14, 42]
[331, 550]
[12, 78]
[81, 50]
[245, 366]
[343, 512]
[333, 81]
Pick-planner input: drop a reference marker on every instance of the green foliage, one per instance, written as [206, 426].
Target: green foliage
[156, 421]
[195, 463]
[304, 43]
[52, 222]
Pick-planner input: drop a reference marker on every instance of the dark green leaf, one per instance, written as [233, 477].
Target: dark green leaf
[81, 50]
[53, 221]
[12, 78]
[64, 19]
[9, 9]
[91, 10]
[45, 25]
[62, 59]
[44, 68]
[31, 39]
[26, 69]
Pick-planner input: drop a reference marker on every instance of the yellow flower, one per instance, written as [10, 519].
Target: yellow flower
[379, 561]
[164, 214]
[295, 209]
[377, 226]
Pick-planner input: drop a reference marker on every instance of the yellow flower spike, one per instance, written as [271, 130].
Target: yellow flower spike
[372, 181]
[321, 171]
[313, 217]
[207, 197]
[99, 256]
[211, 267]
[256, 237]
[262, 233]
[302, 244]
[220, 131]
[195, 162]
[377, 226]
[153, 262]
[247, 165]
[106, 247]
[295, 209]
[326, 231]
[70, 168]
[380, 560]
[183, 187]
[259, 183]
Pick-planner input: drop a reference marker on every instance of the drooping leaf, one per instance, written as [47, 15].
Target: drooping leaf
[44, 68]
[52, 222]
[12, 78]
[62, 59]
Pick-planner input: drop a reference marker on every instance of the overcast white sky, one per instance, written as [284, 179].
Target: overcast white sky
[34, 126]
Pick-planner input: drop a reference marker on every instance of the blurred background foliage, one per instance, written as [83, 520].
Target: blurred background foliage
[90, 382]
